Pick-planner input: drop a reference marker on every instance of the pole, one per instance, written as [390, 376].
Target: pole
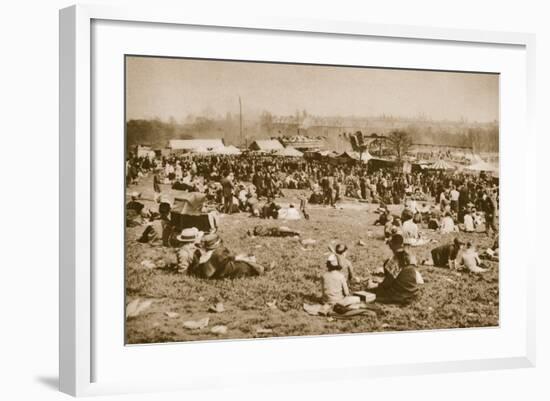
[241, 120]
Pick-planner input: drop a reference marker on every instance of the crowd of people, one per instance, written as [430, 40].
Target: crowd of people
[427, 200]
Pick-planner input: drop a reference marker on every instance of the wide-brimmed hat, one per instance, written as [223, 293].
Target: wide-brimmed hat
[341, 248]
[188, 235]
[211, 241]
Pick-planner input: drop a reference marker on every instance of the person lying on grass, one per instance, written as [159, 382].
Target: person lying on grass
[187, 255]
[218, 262]
[400, 283]
[262, 231]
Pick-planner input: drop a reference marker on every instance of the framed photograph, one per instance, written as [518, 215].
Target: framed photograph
[279, 200]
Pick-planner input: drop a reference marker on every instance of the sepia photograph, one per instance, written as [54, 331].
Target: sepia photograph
[281, 200]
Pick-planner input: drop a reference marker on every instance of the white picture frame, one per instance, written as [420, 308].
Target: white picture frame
[77, 369]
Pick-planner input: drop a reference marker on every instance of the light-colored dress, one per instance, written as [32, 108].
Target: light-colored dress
[334, 287]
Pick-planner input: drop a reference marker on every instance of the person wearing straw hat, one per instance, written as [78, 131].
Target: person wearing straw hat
[188, 254]
[218, 262]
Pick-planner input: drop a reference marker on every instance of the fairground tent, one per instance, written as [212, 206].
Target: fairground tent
[228, 150]
[326, 153]
[195, 145]
[482, 166]
[352, 155]
[266, 145]
[441, 165]
[289, 152]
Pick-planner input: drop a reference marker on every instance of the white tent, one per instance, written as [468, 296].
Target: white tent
[482, 166]
[289, 152]
[266, 145]
[228, 150]
[195, 145]
[364, 157]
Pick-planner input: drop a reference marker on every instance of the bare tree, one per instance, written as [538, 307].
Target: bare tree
[400, 142]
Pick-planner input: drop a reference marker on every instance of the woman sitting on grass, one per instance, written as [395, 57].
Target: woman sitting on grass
[470, 260]
[400, 284]
[334, 285]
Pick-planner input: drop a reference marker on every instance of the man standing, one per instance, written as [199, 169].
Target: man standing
[227, 191]
[455, 196]
[490, 209]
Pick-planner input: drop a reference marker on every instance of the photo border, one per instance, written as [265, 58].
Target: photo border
[76, 184]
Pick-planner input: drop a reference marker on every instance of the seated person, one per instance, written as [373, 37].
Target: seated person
[188, 255]
[333, 284]
[470, 260]
[346, 267]
[316, 198]
[468, 225]
[388, 227]
[397, 227]
[478, 218]
[218, 262]
[434, 217]
[447, 224]
[382, 208]
[270, 210]
[134, 210]
[446, 255]
[411, 235]
[492, 252]
[290, 213]
[253, 205]
[383, 218]
[400, 283]
[159, 228]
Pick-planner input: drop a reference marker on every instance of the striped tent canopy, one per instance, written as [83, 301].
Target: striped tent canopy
[441, 165]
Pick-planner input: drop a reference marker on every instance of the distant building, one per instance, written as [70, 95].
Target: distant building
[424, 151]
[266, 145]
[303, 143]
[145, 151]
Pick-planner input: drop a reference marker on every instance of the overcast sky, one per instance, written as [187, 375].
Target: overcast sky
[164, 88]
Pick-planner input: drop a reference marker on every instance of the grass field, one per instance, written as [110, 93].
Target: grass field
[274, 301]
